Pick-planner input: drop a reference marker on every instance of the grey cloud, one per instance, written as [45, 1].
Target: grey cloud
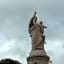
[55, 51]
[14, 20]
[17, 50]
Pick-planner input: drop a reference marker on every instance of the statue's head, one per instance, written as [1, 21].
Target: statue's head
[41, 22]
[35, 17]
[33, 20]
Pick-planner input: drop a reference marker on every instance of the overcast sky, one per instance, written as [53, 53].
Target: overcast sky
[14, 19]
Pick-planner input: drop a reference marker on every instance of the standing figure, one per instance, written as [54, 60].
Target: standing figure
[42, 27]
[42, 31]
[34, 31]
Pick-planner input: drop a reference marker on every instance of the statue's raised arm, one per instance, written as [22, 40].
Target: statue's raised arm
[35, 13]
[33, 20]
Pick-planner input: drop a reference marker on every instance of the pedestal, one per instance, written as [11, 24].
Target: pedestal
[38, 57]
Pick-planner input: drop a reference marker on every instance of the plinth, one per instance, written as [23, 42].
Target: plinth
[38, 57]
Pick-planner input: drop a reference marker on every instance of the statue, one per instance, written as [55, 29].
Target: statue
[38, 54]
[42, 30]
[42, 26]
[36, 33]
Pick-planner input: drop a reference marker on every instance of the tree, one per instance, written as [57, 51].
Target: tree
[9, 61]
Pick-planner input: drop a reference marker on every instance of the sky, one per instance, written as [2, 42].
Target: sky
[15, 15]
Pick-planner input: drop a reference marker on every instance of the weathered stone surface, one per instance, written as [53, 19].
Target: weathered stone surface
[37, 54]
[38, 60]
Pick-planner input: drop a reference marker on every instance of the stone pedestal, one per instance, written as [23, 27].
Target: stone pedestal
[38, 57]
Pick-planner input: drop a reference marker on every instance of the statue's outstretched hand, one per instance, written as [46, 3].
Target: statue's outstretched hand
[35, 13]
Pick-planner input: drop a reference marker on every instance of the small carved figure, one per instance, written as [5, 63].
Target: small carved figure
[42, 30]
[42, 27]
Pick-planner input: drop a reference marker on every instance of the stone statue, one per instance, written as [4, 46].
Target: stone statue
[42, 27]
[36, 32]
[42, 30]
[38, 54]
